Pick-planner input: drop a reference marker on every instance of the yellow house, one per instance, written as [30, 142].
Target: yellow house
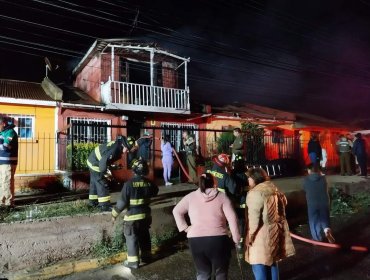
[35, 116]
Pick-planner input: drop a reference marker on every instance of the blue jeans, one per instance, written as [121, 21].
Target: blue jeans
[265, 272]
[313, 158]
[318, 220]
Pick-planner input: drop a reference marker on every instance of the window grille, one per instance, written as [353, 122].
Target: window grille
[176, 134]
[89, 130]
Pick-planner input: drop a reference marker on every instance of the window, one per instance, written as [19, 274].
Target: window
[277, 136]
[89, 130]
[24, 125]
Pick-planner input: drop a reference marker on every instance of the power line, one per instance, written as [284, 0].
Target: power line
[259, 60]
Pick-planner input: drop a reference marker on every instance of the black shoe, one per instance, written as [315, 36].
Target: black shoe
[146, 259]
[133, 265]
[105, 208]
[93, 204]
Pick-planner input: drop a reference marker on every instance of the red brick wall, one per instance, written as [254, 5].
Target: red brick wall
[169, 75]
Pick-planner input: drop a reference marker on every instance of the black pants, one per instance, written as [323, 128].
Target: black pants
[240, 214]
[99, 189]
[362, 162]
[345, 163]
[211, 254]
[137, 236]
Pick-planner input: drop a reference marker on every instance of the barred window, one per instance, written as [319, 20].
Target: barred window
[89, 130]
[24, 125]
[176, 134]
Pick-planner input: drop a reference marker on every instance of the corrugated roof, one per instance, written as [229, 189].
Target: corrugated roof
[23, 90]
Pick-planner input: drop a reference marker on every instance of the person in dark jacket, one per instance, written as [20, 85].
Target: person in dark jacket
[219, 171]
[143, 144]
[241, 181]
[99, 162]
[318, 203]
[237, 147]
[314, 150]
[359, 150]
[135, 198]
[8, 161]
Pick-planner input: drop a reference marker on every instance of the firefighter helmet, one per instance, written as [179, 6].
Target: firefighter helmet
[222, 160]
[123, 141]
[131, 141]
[140, 167]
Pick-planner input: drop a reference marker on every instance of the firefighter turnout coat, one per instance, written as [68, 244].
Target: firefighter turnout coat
[135, 197]
[98, 162]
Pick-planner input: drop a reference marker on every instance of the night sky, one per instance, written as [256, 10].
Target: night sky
[301, 56]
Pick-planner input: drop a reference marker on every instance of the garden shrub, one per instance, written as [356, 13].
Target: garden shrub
[77, 157]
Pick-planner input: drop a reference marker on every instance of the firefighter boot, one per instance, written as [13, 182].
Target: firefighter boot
[133, 265]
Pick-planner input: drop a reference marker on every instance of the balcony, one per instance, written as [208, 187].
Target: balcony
[139, 97]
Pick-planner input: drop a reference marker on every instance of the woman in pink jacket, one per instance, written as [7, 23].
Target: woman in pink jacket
[209, 211]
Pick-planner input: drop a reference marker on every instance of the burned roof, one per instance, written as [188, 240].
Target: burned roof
[77, 96]
[123, 46]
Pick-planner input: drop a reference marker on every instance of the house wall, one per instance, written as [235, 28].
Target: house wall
[169, 75]
[36, 155]
[89, 78]
[106, 69]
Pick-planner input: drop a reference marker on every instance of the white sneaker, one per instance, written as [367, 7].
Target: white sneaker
[168, 183]
[329, 235]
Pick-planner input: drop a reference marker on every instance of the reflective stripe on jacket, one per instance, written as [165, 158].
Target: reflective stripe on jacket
[135, 197]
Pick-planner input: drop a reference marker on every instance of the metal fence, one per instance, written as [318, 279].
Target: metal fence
[45, 154]
[36, 155]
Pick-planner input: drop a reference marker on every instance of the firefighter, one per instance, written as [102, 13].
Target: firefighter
[132, 149]
[99, 162]
[135, 197]
[220, 171]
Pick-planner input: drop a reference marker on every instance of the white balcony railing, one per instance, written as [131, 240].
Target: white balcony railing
[139, 97]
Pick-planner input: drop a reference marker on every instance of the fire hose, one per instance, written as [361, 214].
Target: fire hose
[180, 163]
[306, 240]
[329, 245]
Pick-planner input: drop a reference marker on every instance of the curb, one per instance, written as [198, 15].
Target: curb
[66, 268]
[70, 267]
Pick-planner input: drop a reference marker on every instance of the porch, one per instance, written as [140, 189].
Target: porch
[139, 97]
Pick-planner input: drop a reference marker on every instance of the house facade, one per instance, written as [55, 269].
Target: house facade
[34, 113]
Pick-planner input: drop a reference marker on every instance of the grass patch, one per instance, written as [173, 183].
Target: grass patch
[343, 203]
[31, 212]
[161, 239]
[111, 245]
